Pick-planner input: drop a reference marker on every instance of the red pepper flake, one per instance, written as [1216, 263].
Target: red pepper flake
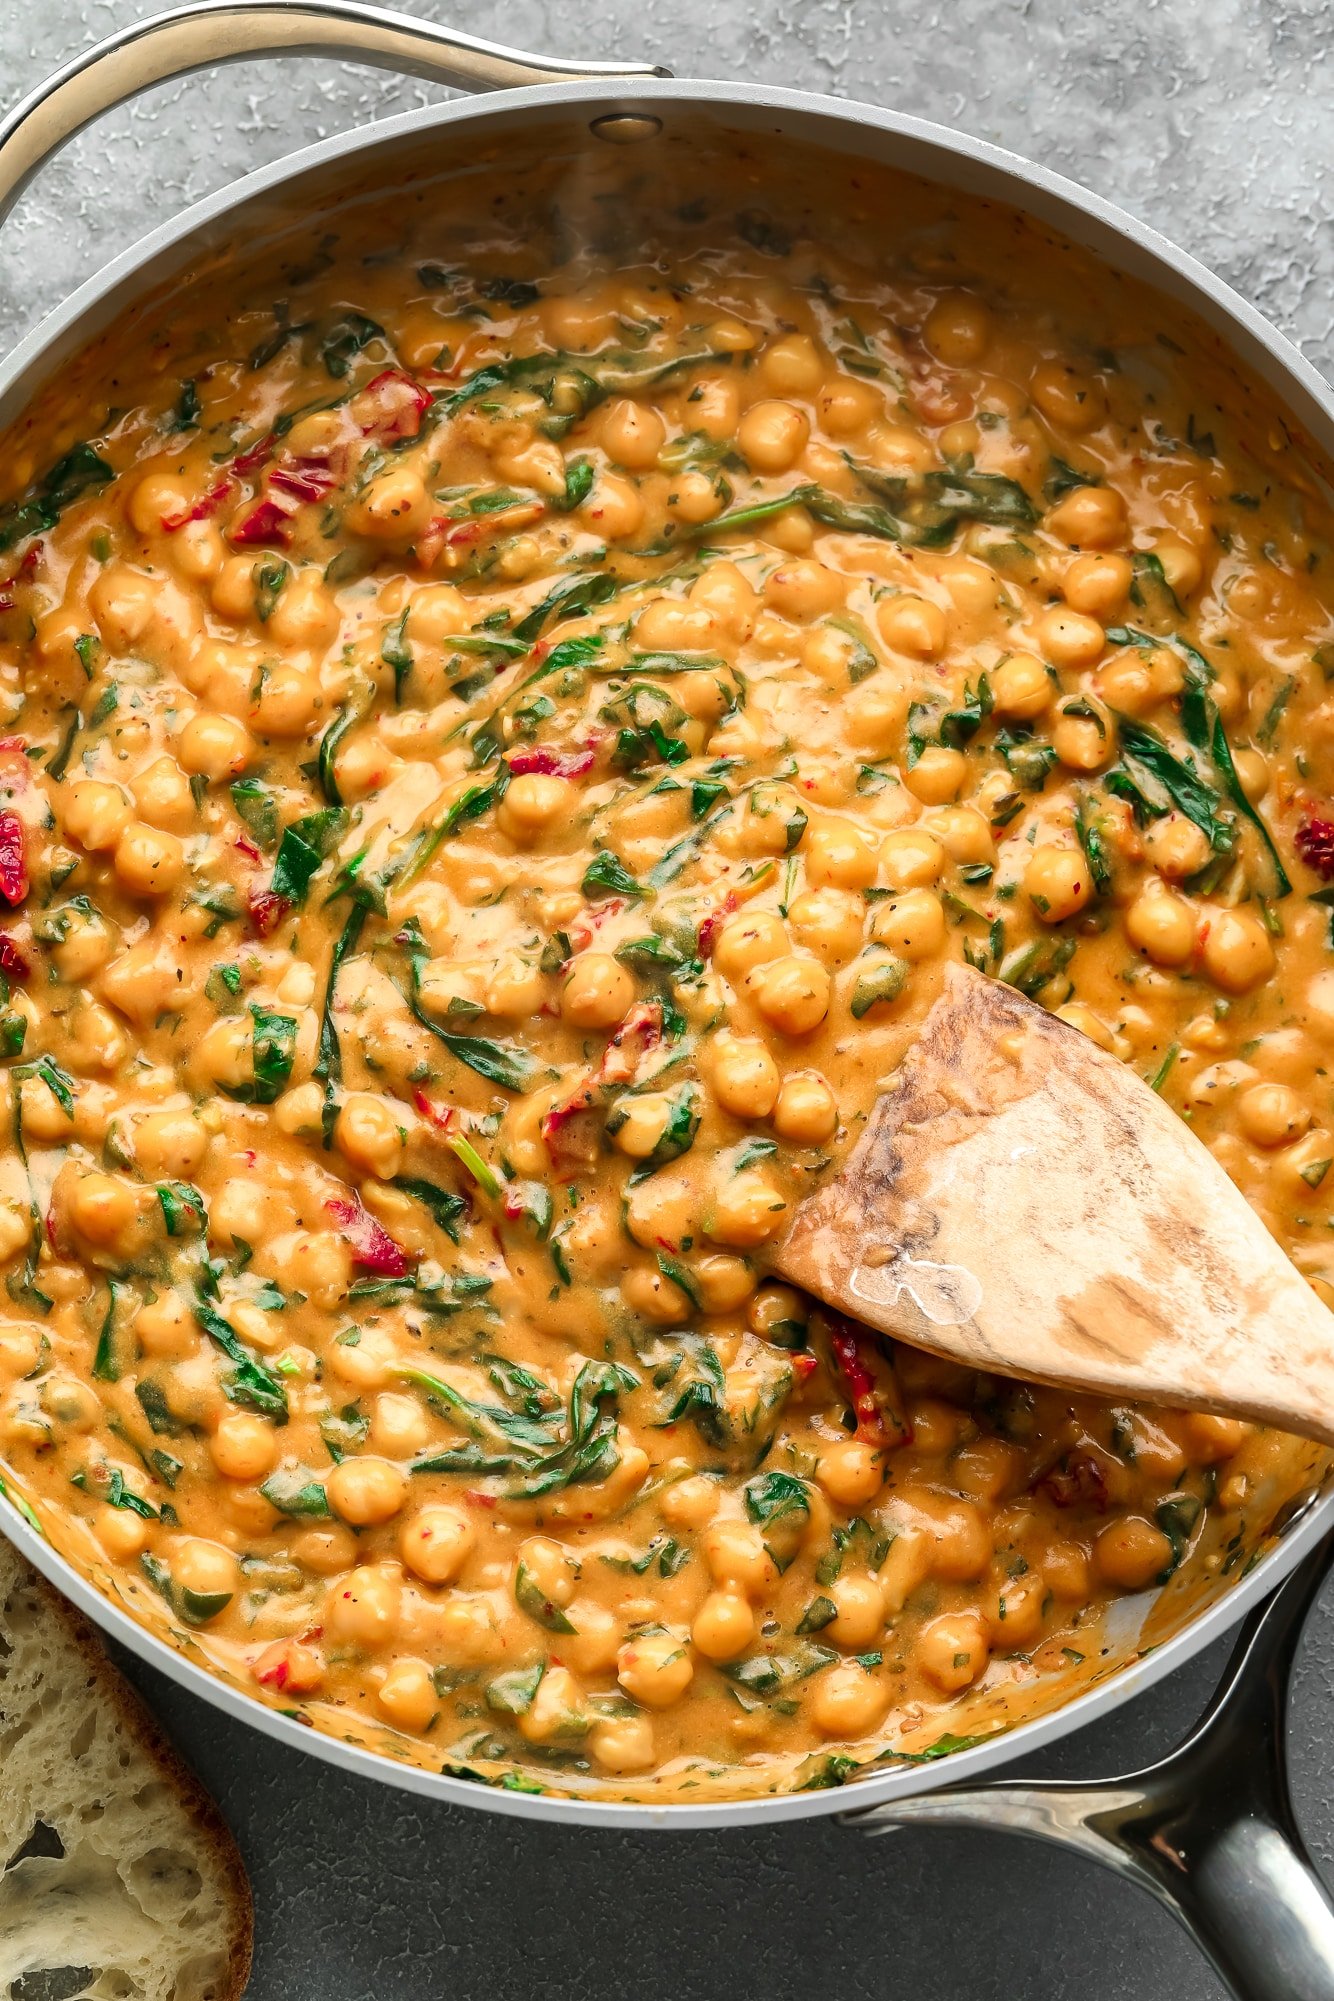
[478, 1499]
[207, 504]
[372, 1246]
[1079, 1481]
[846, 1343]
[267, 911]
[304, 479]
[397, 404]
[552, 763]
[12, 962]
[24, 571]
[275, 1676]
[803, 1365]
[1315, 844]
[268, 525]
[442, 1120]
[13, 858]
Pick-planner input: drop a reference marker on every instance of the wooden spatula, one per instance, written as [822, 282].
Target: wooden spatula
[1021, 1202]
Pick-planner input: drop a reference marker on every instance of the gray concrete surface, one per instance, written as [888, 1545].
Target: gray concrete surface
[1211, 123]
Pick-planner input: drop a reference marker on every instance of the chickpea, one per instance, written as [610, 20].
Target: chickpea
[366, 1491]
[436, 1542]
[735, 1555]
[749, 940]
[690, 1504]
[654, 1297]
[1057, 882]
[1182, 564]
[407, 1695]
[556, 1710]
[674, 624]
[724, 1626]
[1090, 517]
[623, 1744]
[807, 1111]
[1161, 925]
[954, 1650]
[791, 366]
[244, 1446]
[1176, 847]
[1272, 1115]
[632, 434]
[1131, 1553]
[829, 923]
[1237, 954]
[1021, 687]
[747, 1210]
[911, 925]
[598, 992]
[289, 703]
[614, 508]
[874, 715]
[162, 794]
[745, 1077]
[534, 803]
[861, 1612]
[847, 1701]
[157, 499]
[1210, 1438]
[1070, 638]
[723, 1284]
[726, 594]
[369, 1134]
[772, 435]
[964, 833]
[1253, 770]
[1080, 741]
[805, 589]
[85, 947]
[123, 1535]
[957, 330]
[148, 862]
[851, 1474]
[840, 855]
[1097, 584]
[1065, 1570]
[912, 625]
[95, 815]
[393, 508]
[205, 1569]
[364, 1608]
[938, 775]
[103, 1209]
[847, 406]
[165, 1326]
[1067, 399]
[911, 858]
[793, 993]
[654, 1668]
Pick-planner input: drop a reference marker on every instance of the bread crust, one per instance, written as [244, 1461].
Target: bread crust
[141, 1725]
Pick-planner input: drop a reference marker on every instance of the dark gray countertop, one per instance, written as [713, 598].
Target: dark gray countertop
[1213, 126]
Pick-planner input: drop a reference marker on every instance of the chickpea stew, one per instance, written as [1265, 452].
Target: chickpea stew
[500, 745]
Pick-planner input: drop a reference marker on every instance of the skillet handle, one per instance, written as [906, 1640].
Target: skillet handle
[228, 31]
[1209, 1831]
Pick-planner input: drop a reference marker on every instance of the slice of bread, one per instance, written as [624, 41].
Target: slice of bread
[119, 1880]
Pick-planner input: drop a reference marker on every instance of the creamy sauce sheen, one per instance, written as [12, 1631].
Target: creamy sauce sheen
[496, 757]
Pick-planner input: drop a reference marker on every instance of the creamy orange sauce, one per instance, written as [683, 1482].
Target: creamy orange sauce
[499, 745]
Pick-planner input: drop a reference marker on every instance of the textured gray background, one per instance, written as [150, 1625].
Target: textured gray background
[1212, 123]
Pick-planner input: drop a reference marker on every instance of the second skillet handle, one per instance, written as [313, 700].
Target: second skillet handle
[228, 31]
[1209, 1831]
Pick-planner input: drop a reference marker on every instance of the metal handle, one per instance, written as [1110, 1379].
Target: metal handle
[1210, 1830]
[231, 31]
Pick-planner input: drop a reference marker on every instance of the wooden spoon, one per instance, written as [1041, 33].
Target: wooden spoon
[1021, 1202]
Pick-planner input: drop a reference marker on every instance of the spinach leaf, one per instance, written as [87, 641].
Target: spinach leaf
[1146, 752]
[295, 1492]
[257, 808]
[574, 599]
[106, 1366]
[447, 1210]
[328, 1051]
[606, 876]
[183, 1209]
[505, 1063]
[345, 340]
[250, 1383]
[43, 503]
[353, 711]
[274, 1045]
[305, 845]
[1204, 727]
